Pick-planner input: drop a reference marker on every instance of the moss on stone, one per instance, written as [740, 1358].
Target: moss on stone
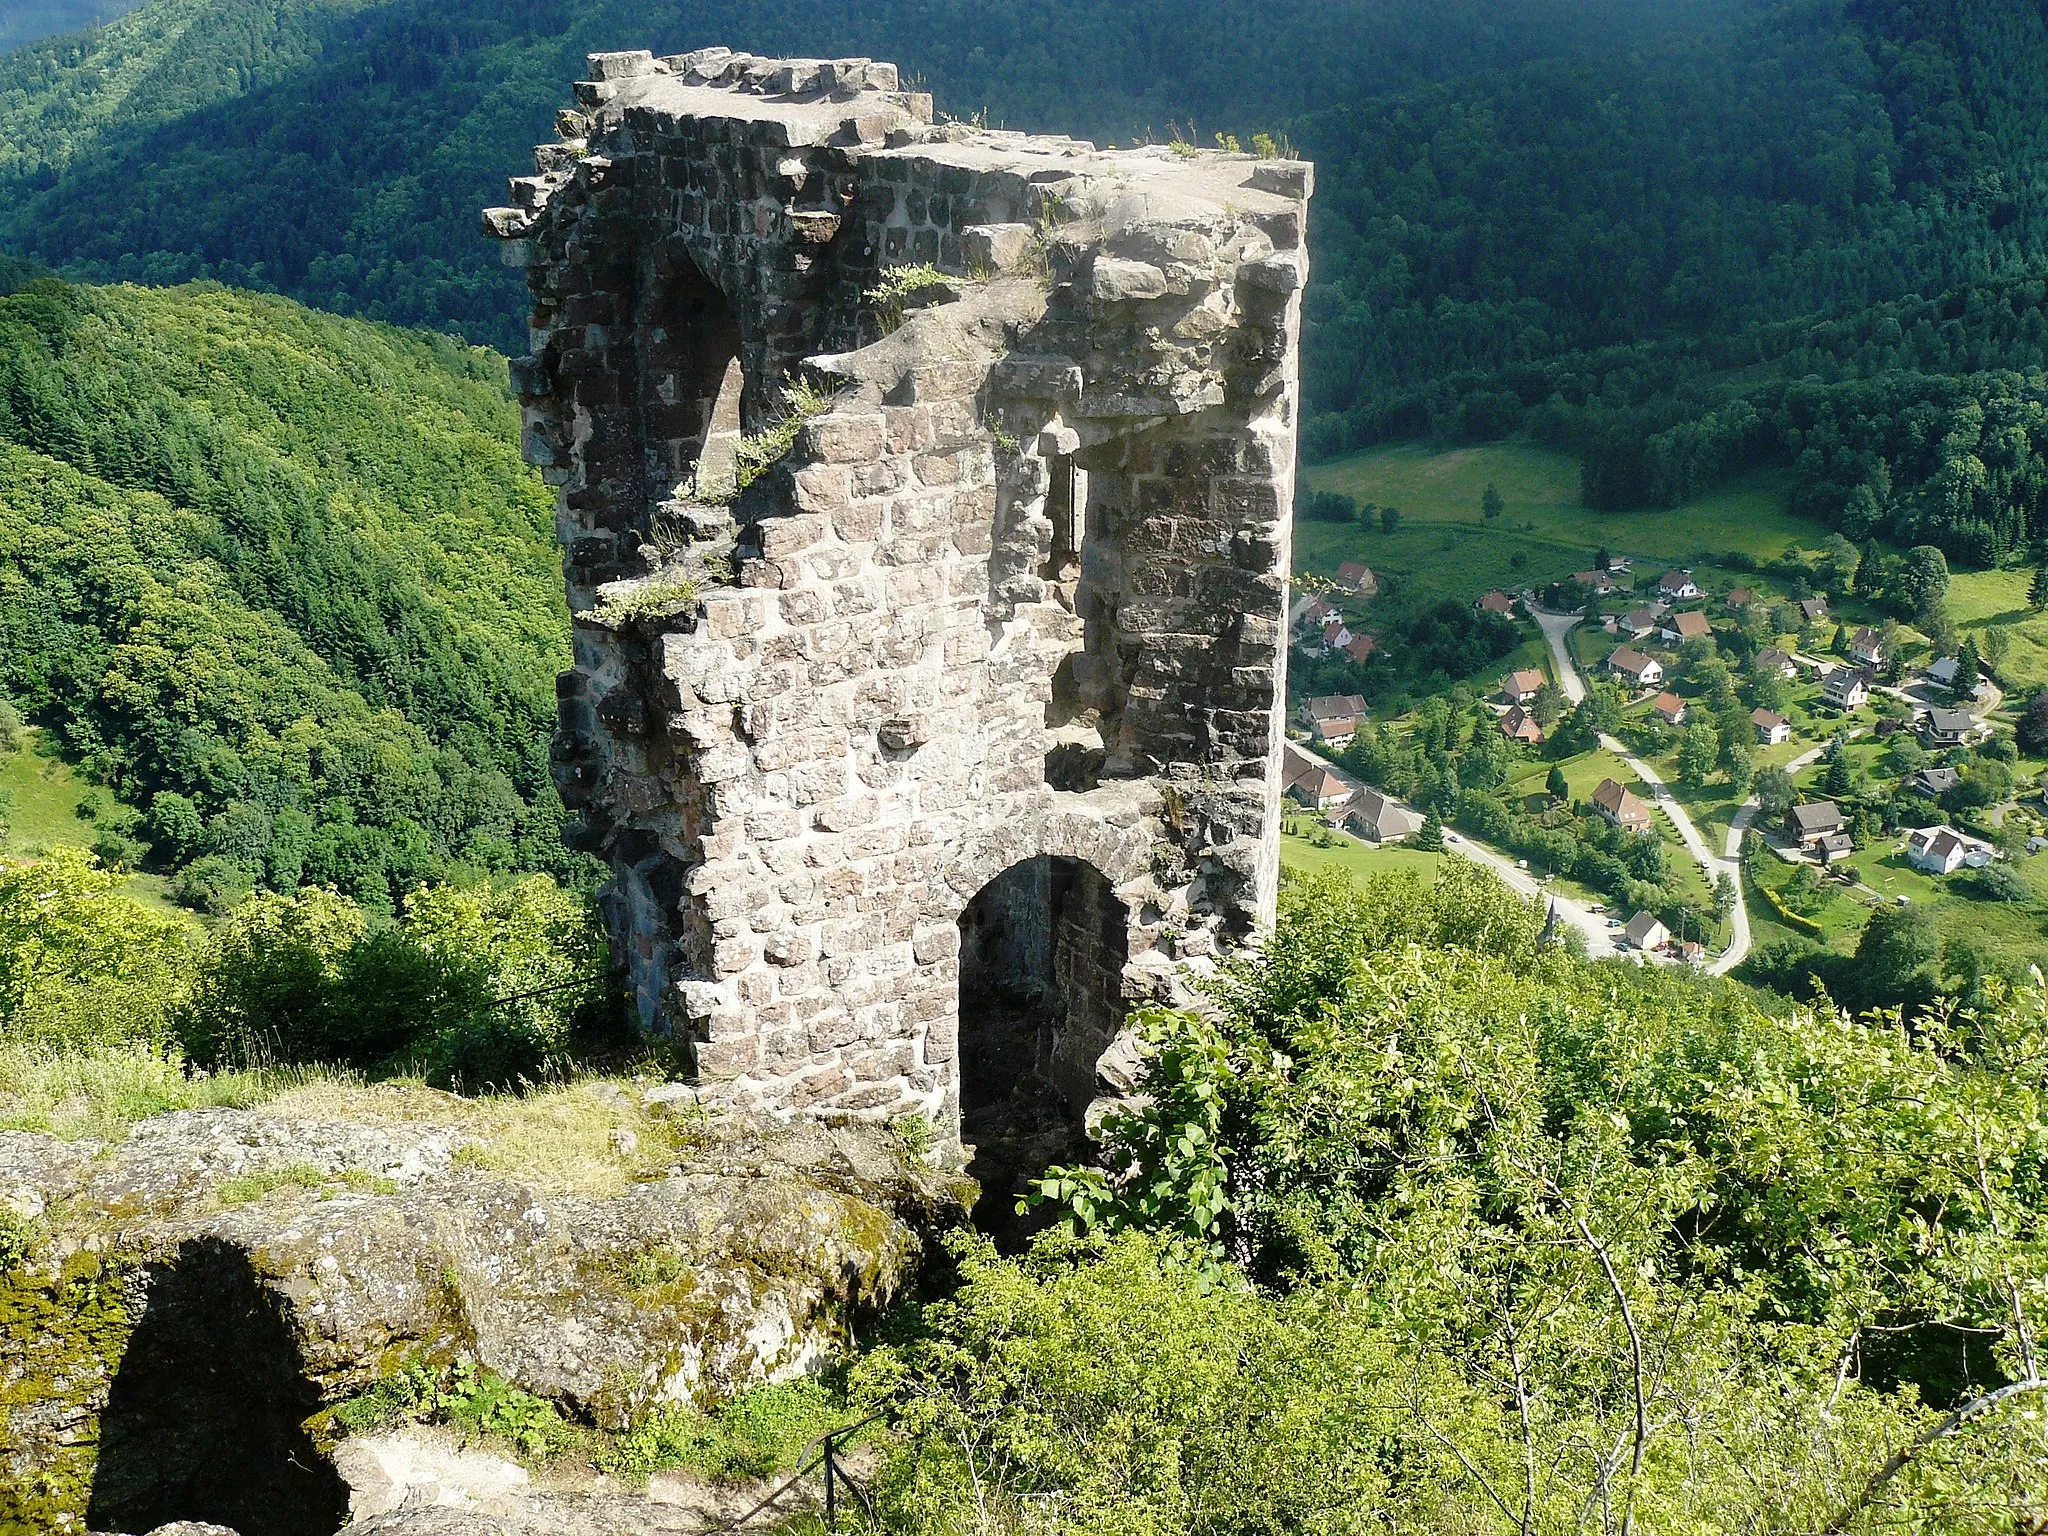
[63, 1328]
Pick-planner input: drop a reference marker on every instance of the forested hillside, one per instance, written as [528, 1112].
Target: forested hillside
[280, 581]
[337, 150]
[1816, 239]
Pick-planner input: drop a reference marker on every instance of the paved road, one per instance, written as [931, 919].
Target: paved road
[1555, 627]
[1599, 937]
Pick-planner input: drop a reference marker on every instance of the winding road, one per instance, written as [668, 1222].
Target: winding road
[1555, 627]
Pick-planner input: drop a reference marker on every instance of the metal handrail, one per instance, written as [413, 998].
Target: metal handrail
[823, 1446]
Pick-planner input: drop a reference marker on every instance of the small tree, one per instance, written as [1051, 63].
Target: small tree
[1697, 753]
[2033, 727]
[1996, 645]
[1557, 785]
[1549, 705]
[10, 727]
[1390, 519]
[1431, 838]
[2037, 593]
[1838, 780]
[1491, 505]
[1969, 669]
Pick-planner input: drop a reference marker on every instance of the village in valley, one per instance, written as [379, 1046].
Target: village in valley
[1685, 761]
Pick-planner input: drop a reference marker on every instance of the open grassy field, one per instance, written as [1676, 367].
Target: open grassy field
[1354, 859]
[1443, 545]
[43, 794]
[2018, 929]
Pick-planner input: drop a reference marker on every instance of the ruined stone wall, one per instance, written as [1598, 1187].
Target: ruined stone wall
[1015, 590]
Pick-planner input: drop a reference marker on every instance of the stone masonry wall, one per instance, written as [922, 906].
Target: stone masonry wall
[1014, 590]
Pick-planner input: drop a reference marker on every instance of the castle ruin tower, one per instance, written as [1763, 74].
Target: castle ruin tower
[925, 495]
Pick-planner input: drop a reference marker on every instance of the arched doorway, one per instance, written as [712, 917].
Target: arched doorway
[1042, 951]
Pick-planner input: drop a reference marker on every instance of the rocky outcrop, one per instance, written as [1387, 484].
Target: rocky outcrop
[191, 1299]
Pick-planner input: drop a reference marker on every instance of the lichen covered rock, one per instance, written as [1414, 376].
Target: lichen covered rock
[191, 1298]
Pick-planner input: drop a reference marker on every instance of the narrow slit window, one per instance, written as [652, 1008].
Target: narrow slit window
[1063, 505]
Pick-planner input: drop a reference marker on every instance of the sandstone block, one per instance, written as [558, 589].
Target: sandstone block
[1115, 281]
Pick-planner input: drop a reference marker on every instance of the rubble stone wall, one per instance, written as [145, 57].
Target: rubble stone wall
[1014, 590]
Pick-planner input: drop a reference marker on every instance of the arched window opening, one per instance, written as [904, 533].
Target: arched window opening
[1042, 951]
[691, 384]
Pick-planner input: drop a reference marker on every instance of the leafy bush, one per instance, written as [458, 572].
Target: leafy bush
[474, 988]
[1527, 1244]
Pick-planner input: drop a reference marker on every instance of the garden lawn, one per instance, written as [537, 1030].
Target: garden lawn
[1354, 859]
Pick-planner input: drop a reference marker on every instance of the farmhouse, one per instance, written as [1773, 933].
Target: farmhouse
[1598, 582]
[1640, 670]
[1312, 781]
[1335, 635]
[1334, 717]
[1678, 586]
[1738, 598]
[1813, 609]
[1638, 622]
[1496, 601]
[1867, 648]
[1772, 729]
[1521, 687]
[1623, 808]
[1360, 648]
[1669, 708]
[1812, 824]
[1359, 578]
[1380, 819]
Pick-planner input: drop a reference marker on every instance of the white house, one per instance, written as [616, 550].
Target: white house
[1867, 648]
[1944, 850]
[1645, 932]
[1678, 586]
[1312, 781]
[1641, 671]
[1846, 687]
[1772, 728]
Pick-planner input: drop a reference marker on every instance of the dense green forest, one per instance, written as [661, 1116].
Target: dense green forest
[337, 150]
[280, 581]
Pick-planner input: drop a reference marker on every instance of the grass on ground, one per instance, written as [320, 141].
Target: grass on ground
[1444, 546]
